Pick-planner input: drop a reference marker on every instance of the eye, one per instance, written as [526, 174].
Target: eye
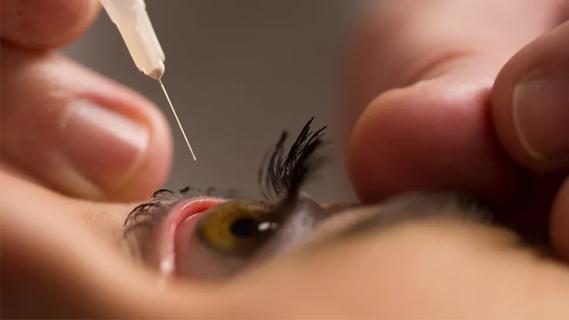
[237, 228]
[199, 235]
[220, 241]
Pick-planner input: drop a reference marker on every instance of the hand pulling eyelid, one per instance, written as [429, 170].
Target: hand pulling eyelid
[134, 25]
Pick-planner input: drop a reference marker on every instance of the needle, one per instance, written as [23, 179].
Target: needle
[177, 119]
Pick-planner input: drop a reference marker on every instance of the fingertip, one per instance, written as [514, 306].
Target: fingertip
[371, 161]
[154, 167]
[40, 24]
[121, 176]
[435, 135]
[529, 103]
[92, 139]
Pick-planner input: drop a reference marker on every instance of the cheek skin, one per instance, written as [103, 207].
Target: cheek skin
[108, 223]
[431, 269]
[413, 270]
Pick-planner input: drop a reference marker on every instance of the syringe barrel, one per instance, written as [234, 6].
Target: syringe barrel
[134, 25]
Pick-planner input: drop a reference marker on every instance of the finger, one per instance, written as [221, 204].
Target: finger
[531, 103]
[45, 23]
[559, 222]
[431, 136]
[55, 249]
[106, 220]
[422, 74]
[77, 132]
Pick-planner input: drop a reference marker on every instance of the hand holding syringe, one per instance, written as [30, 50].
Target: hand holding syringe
[133, 23]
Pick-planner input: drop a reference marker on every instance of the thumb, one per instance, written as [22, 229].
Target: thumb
[531, 102]
[530, 105]
[77, 132]
[419, 83]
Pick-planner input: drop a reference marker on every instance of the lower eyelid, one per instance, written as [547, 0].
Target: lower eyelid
[165, 246]
[163, 253]
[194, 259]
[141, 225]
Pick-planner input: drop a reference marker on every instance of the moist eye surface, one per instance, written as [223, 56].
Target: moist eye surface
[237, 228]
[247, 227]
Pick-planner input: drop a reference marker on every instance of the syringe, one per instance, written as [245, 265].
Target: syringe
[134, 25]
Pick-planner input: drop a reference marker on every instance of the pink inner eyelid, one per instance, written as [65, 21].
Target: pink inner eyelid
[166, 238]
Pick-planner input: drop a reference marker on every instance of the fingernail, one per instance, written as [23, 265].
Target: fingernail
[102, 145]
[541, 118]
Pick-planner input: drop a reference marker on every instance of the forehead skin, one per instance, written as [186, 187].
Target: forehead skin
[443, 266]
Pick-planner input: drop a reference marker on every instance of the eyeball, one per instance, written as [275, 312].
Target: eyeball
[237, 228]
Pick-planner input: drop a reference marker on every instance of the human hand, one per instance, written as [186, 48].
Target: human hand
[65, 126]
[437, 121]
[63, 257]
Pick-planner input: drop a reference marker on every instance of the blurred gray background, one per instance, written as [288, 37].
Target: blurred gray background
[239, 72]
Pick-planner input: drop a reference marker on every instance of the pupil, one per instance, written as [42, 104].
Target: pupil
[247, 227]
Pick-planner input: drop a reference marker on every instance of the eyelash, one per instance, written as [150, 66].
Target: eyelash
[280, 180]
[284, 176]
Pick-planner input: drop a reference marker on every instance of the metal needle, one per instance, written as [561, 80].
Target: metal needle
[177, 119]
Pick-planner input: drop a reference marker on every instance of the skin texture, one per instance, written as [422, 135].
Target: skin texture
[431, 86]
[484, 270]
[43, 96]
[45, 24]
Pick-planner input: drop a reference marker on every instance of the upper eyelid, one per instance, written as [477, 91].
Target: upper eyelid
[280, 183]
[285, 173]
